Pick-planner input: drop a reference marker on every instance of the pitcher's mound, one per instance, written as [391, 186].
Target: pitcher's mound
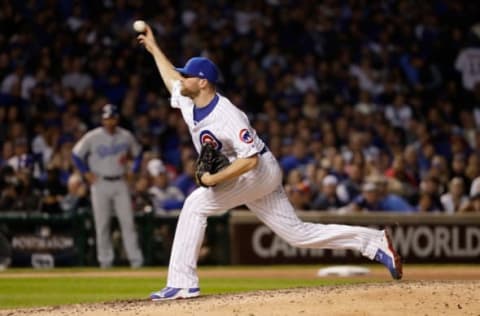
[390, 298]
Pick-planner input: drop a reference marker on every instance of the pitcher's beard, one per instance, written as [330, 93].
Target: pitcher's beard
[189, 93]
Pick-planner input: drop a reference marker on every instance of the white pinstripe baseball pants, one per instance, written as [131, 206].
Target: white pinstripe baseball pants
[261, 190]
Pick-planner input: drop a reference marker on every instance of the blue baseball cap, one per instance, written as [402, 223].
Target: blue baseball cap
[109, 111]
[200, 67]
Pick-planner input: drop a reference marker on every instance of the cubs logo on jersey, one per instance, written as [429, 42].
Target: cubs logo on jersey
[207, 137]
[245, 136]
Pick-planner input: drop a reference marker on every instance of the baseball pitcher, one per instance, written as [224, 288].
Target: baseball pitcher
[253, 177]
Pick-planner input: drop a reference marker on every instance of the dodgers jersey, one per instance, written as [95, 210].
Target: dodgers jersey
[226, 127]
[105, 153]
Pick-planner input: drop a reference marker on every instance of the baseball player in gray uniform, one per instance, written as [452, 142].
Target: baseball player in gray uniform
[253, 178]
[101, 156]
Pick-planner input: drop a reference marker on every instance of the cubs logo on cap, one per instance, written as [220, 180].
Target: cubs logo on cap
[207, 137]
[245, 136]
[109, 111]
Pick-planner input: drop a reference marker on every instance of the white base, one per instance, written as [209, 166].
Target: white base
[343, 271]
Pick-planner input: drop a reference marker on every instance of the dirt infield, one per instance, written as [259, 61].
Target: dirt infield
[435, 291]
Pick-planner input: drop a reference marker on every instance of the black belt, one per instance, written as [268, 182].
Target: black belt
[264, 150]
[112, 178]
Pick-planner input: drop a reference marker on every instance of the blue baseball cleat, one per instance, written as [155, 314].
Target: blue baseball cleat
[389, 257]
[173, 293]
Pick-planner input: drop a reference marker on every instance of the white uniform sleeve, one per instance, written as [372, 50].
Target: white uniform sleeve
[82, 147]
[243, 135]
[177, 100]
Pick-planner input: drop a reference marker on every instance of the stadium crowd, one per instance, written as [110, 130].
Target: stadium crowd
[367, 105]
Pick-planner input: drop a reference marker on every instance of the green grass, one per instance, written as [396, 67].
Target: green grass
[31, 291]
[65, 286]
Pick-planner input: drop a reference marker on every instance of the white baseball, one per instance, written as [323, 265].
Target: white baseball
[139, 26]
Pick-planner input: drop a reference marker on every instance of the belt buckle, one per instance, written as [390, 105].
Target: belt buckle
[112, 178]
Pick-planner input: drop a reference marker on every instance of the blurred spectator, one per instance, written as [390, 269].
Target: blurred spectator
[303, 79]
[18, 190]
[61, 159]
[455, 199]
[299, 195]
[52, 193]
[399, 113]
[473, 205]
[8, 185]
[430, 186]
[403, 182]
[338, 168]
[468, 59]
[142, 201]
[74, 76]
[352, 186]
[21, 159]
[459, 167]
[294, 177]
[368, 200]
[475, 188]
[298, 158]
[411, 161]
[389, 201]
[165, 197]
[28, 191]
[427, 203]
[367, 76]
[327, 198]
[185, 181]
[425, 155]
[392, 91]
[20, 79]
[472, 171]
[42, 148]
[77, 194]
[440, 170]
[310, 109]
[7, 153]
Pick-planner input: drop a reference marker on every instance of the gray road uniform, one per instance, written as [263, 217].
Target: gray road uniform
[105, 155]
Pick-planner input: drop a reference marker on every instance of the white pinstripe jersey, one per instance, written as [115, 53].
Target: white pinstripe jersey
[105, 152]
[227, 127]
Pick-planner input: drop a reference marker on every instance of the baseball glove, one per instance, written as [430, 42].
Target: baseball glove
[211, 161]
